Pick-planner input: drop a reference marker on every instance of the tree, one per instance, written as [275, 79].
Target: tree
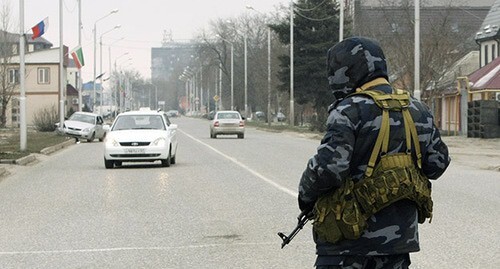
[217, 50]
[315, 30]
[445, 36]
[9, 76]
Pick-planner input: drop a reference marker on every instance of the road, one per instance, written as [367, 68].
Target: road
[220, 206]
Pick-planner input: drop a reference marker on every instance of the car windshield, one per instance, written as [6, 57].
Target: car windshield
[82, 118]
[134, 122]
[222, 116]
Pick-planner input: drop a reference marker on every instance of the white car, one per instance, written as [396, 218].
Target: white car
[85, 125]
[227, 122]
[141, 136]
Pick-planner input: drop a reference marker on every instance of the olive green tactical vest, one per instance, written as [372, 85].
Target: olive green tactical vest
[342, 214]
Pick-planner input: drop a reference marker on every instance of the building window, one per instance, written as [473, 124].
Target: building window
[13, 76]
[486, 55]
[43, 75]
[493, 51]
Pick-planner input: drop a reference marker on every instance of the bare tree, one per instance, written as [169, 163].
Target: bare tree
[216, 45]
[447, 33]
[9, 75]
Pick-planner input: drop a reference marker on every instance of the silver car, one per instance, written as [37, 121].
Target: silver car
[227, 123]
[85, 125]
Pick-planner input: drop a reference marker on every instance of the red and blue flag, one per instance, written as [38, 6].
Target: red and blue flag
[40, 28]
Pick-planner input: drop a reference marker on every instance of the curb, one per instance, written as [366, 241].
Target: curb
[52, 149]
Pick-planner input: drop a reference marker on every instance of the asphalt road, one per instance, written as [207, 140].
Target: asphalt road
[220, 206]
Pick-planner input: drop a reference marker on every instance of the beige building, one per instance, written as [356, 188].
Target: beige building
[42, 84]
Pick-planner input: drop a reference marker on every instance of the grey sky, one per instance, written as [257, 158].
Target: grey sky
[142, 24]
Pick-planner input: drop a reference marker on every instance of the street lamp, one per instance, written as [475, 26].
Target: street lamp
[100, 64]
[95, 52]
[246, 73]
[268, 70]
[111, 70]
[232, 70]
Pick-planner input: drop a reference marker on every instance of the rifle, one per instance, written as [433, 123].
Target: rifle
[303, 218]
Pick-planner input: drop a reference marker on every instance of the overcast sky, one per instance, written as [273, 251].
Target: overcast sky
[142, 24]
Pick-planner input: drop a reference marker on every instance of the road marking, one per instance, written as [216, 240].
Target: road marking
[255, 173]
[90, 250]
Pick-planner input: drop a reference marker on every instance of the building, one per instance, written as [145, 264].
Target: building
[42, 84]
[167, 64]
[471, 103]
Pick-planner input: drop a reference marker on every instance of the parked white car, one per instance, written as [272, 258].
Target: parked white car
[85, 125]
[141, 136]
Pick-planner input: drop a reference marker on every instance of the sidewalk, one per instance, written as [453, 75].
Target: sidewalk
[9, 165]
[474, 152]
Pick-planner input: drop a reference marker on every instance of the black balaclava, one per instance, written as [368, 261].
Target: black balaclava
[352, 63]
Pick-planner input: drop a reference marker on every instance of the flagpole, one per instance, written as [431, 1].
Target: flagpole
[79, 75]
[61, 66]
[22, 97]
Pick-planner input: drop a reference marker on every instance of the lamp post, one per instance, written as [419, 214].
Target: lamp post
[268, 70]
[246, 72]
[118, 97]
[100, 64]
[111, 70]
[95, 52]
[232, 70]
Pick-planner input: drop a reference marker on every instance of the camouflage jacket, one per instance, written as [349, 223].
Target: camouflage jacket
[352, 130]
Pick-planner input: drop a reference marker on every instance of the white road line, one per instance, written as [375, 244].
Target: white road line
[255, 173]
[90, 250]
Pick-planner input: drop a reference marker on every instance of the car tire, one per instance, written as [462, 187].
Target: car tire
[172, 159]
[118, 163]
[241, 136]
[91, 138]
[166, 162]
[108, 164]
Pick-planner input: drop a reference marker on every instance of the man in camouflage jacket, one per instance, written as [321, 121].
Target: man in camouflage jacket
[352, 129]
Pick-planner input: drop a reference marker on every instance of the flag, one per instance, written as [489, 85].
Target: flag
[77, 54]
[40, 28]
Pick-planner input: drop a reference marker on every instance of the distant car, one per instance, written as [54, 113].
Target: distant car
[141, 136]
[260, 115]
[227, 123]
[173, 113]
[280, 116]
[85, 125]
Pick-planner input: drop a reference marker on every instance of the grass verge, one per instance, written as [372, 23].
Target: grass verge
[36, 141]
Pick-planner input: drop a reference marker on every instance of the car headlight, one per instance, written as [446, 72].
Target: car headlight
[110, 142]
[86, 130]
[160, 142]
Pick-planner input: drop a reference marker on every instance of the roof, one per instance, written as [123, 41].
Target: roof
[490, 27]
[466, 65]
[390, 21]
[438, 3]
[487, 77]
[70, 90]
[14, 38]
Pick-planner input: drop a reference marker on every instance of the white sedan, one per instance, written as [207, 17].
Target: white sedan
[141, 136]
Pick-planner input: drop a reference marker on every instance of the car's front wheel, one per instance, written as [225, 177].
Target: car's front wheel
[166, 162]
[241, 136]
[108, 164]
[91, 138]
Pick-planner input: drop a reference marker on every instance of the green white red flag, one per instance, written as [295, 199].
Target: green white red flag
[77, 54]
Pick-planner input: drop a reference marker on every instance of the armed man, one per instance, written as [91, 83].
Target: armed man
[368, 187]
